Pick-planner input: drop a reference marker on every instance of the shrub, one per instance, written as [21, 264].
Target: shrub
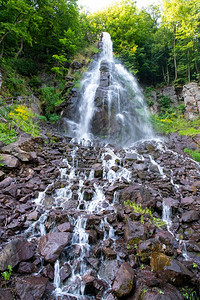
[51, 98]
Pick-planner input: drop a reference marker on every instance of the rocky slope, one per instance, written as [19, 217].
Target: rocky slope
[128, 253]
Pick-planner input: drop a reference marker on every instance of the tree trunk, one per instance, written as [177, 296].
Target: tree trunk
[20, 49]
[175, 62]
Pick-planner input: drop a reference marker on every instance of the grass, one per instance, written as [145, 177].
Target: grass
[194, 154]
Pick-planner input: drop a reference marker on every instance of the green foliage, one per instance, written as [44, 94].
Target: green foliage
[34, 82]
[175, 122]
[51, 98]
[189, 293]
[7, 274]
[14, 119]
[26, 66]
[194, 154]
[137, 208]
[148, 95]
[7, 133]
[16, 86]
[165, 102]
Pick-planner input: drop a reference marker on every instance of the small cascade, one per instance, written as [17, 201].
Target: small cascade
[166, 216]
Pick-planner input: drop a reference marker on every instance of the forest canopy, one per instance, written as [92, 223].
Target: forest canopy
[158, 44]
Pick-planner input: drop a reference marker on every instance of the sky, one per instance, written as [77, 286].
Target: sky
[95, 5]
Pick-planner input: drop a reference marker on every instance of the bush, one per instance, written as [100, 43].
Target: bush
[26, 66]
[35, 82]
[51, 98]
[15, 85]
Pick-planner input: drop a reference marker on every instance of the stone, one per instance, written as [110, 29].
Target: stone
[26, 268]
[168, 292]
[52, 244]
[170, 269]
[9, 161]
[134, 232]
[190, 216]
[48, 272]
[124, 280]
[31, 288]
[16, 251]
[6, 182]
[109, 253]
[33, 216]
[65, 272]
[65, 227]
[191, 96]
[108, 270]
[5, 294]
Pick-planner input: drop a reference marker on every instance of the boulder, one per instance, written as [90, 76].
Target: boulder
[190, 216]
[124, 280]
[134, 232]
[170, 269]
[108, 270]
[52, 244]
[169, 292]
[9, 161]
[31, 288]
[5, 294]
[26, 267]
[16, 251]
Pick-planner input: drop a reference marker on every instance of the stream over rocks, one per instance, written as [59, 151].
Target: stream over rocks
[85, 219]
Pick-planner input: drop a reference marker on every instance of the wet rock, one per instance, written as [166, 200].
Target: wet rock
[169, 292]
[33, 216]
[172, 270]
[65, 272]
[109, 253]
[88, 194]
[92, 236]
[187, 201]
[31, 288]
[190, 216]
[124, 280]
[65, 227]
[16, 251]
[48, 272]
[26, 268]
[6, 182]
[108, 270]
[134, 232]
[9, 161]
[5, 294]
[52, 244]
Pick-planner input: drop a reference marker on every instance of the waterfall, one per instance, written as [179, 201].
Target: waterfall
[111, 106]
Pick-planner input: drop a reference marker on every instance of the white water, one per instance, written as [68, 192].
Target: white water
[125, 113]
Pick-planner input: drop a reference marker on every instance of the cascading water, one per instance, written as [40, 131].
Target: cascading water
[92, 180]
[111, 105]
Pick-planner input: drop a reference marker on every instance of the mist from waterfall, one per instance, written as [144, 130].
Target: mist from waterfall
[111, 105]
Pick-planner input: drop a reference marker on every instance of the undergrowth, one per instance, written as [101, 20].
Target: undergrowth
[14, 119]
[137, 208]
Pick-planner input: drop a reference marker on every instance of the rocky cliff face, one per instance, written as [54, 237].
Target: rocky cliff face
[191, 96]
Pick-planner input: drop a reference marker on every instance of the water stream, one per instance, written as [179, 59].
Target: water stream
[92, 174]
